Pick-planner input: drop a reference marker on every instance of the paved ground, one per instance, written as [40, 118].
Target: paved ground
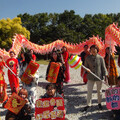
[75, 98]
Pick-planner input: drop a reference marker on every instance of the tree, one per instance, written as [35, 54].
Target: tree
[8, 28]
[46, 28]
[37, 25]
[101, 21]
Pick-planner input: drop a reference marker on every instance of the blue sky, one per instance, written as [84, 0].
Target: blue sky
[11, 8]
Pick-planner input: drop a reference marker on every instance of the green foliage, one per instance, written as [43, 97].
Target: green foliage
[8, 28]
[46, 28]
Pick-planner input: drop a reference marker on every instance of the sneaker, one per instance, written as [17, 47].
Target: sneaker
[85, 108]
[100, 107]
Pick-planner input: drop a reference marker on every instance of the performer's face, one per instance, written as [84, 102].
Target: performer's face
[107, 51]
[85, 48]
[93, 51]
[12, 55]
[31, 52]
[64, 49]
[51, 91]
[54, 56]
[23, 96]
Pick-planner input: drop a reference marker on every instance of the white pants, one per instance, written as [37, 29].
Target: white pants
[90, 85]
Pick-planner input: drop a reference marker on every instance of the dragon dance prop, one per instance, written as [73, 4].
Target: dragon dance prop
[112, 36]
[15, 103]
[75, 62]
[49, 109]
[112, 33]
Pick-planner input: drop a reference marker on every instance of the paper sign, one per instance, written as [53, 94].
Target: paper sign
[49, 109]
[53, 72]
[15, 103]
[30, 70]
[113, 98]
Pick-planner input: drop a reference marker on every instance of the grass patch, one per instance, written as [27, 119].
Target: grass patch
[44, 62]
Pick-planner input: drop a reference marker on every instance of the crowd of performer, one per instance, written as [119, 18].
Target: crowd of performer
[105, 68]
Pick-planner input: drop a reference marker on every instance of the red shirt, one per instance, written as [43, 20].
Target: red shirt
[12, 64]
[65, 56]
[33, 57]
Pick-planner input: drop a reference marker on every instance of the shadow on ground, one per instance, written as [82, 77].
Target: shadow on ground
[75, 98]
[72, 99]
[107, 115]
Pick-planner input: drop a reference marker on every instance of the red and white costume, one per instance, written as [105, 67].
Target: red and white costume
[3, 93]
[12, 63]
[67, 72]
[34, 57]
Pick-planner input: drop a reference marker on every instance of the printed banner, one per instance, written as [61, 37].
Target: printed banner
[30, 70]
[113, 98]
[50, 108]
[15, 103]
[53, 72]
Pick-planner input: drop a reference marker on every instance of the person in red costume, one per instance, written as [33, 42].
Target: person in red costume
[12, 63]
[33, 55]
[65, 58]
[3, 93]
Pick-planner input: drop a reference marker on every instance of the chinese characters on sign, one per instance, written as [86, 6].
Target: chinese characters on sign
[113, 98]
[49, 108]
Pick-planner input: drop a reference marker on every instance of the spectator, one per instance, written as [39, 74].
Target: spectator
[111, 67]
[59, 84]
[24, 113]
[21, 59]
[51, 93]
[83, 56]
[31, 88]
[65, 58]
[94, 63]
[33, 55]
